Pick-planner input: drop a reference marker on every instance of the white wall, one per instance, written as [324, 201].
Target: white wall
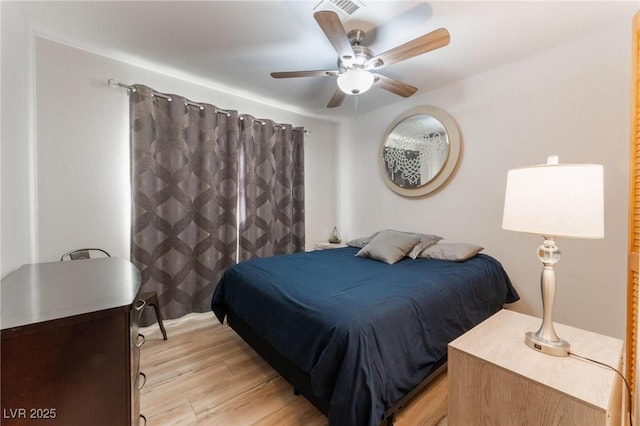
[16, 230]
[65, 168]
[83, 145]
[572, 101]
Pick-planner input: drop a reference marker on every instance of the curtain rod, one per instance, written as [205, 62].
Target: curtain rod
[115, 84]
[282, 126]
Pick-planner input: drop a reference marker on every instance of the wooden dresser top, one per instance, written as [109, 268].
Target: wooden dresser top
[42, 292]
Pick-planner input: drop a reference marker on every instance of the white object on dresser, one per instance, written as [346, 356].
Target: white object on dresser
[495, 378]
[324, 245]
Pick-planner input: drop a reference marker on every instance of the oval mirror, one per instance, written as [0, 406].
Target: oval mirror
[419, 151]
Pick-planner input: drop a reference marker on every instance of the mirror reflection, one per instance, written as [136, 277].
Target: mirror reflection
[415, 151]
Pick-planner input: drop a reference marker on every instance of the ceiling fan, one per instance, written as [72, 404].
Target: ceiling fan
[357, 64]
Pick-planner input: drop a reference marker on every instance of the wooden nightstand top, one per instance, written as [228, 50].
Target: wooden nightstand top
[500, 341]
[326, 245]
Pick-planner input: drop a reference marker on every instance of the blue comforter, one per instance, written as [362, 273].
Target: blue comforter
[366, 332]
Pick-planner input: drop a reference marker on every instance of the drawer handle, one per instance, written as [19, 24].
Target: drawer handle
[140, 304]
[139, 342]
[144, 382]
[143, 417]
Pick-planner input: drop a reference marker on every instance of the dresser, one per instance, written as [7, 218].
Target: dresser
[495, 378]
[69, 349]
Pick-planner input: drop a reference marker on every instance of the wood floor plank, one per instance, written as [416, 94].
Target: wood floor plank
[253, 405]
[427, 409]
[299, 413]
[174, 412]
[205, 374]
[208, 397]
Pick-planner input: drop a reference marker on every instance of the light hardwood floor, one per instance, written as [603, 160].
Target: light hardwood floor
[205, 374]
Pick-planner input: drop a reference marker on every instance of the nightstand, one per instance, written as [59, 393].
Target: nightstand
[324, 246]
[495, 378]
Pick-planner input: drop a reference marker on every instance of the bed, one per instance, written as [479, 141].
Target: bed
[358, 336]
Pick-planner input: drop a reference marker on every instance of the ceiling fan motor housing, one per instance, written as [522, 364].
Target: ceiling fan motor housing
[356, 36]
[361, 55]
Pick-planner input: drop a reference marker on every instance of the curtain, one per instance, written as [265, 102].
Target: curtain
[184, 208]
[271, 180]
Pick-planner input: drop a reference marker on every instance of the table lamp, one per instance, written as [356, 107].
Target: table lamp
[554, 200]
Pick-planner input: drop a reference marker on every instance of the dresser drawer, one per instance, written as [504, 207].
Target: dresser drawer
[137, 340]
[68, 372]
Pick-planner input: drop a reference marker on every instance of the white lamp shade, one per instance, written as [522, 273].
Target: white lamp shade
[355, 81]
[556, 200]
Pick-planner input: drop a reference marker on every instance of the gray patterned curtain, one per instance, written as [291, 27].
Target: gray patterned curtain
[271, 179]
[184, 189]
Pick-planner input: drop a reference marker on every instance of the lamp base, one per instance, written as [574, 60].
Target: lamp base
[557, 348]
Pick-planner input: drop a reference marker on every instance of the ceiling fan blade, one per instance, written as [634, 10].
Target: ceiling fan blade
[423, 44]
[291, 74]
[394, 86]
[336, 99]
[332, 27]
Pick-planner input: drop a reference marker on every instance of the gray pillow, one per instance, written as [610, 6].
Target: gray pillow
[451, 251]
[426, 241]
[362, 241]
[389, 246]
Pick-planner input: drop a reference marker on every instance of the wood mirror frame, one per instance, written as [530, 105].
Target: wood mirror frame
[449, 162]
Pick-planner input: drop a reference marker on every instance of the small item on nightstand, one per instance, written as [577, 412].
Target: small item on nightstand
[334, 238]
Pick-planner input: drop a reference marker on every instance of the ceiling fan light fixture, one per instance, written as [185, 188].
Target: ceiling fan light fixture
[355, 81]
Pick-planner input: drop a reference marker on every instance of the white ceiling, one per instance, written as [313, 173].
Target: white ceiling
[234, 45]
